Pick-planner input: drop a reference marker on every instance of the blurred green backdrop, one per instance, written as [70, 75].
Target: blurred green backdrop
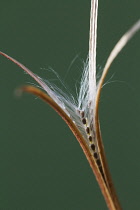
[41, 164]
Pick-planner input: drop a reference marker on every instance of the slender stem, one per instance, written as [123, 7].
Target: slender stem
[105, 165]
[109, 201]
[118, 47]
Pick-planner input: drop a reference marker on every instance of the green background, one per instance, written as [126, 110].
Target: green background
[41, 164]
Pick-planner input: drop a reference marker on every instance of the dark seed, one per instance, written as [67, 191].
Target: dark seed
[102, 172]
[84, 121]
[82, 114]
[101, 169]
[95, 155]
[90, 138]
[87, 130]
[98, 162]
[93, 147]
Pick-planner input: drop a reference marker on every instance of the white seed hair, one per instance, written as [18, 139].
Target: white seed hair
[89, 91]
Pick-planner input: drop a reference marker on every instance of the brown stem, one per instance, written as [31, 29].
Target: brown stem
[105, 167]
[102, 155]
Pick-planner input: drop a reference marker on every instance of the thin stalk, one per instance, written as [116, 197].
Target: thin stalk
[118, 47]
[108, 177]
